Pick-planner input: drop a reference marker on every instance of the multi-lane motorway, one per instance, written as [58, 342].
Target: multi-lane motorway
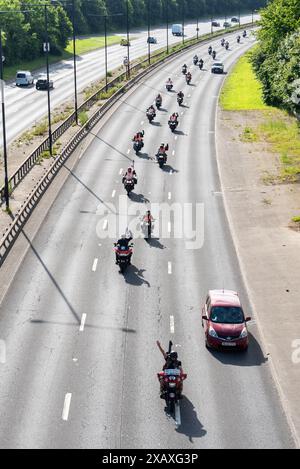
[27, 105]
[81, 353]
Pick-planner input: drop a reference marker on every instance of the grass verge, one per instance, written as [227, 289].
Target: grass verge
[242, 90]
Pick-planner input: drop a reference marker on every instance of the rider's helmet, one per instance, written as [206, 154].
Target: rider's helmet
[129, 170]
[173, 355]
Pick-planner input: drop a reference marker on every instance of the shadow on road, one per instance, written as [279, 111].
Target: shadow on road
[190, 425]
[138, 198]
[252, 357]
[167, 168]
[144, 156]
[155, 243]
[156, 124]
[135, 276]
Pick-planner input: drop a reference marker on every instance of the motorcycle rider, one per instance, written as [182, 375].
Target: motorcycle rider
[188, 77]
[169, 82]
[210, 50]
[151, 111]
[238, 39]
[148, 218]
[124, 242]
[130, 175]
[158, 100]
[138, 137]
[214, 54]
[195, 59]
[184, 69]
[201, 62]
[223, 42]
[244, 33]
[162, 149]
[171, 362]
[174, 117]
[180, 96]
[227, 45]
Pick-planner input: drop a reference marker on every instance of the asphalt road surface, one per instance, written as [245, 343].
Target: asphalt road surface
[81, 354]
[25, 106]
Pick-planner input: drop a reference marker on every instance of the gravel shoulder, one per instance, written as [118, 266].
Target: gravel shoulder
[267, 246]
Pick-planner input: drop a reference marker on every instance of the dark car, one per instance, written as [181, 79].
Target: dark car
[216, 24]
[234, 20]
[42, 83]
[224, 322]
[152, 40]
[124, 42]
[226, 24]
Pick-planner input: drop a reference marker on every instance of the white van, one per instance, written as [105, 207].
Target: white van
[24, 78]
[177, 30]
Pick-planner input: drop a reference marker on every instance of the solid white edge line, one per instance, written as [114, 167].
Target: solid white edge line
[66, 409]
[105, 223]
[172, 324]
[169, 268]
[173, 153]
[169, 227]
[169, 196]
[83, 319]
[121, 171]
[113, 193]
[94, 268]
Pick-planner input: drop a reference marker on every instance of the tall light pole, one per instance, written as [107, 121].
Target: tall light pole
[47, 50]
[183, 19]
[105, 17]
[167, 19]
[6, 187]
[128, 38]
[74, 61]
[2, 58]
[148, 40]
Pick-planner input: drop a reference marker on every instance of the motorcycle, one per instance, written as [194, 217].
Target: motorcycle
[173, 125]
[158, 103]
[245, 34]
[223, 42]
[173, 379]
[200, 65]
[195, 60]
[169, 86]
[161, 159]
[188, 79]
[123, 256]
[226, 46]
[137, 146]
[129, 185]
[210, 50]
[238, 40]
[179, 100]
[184, 70]
[151, 116]
[147, 228]
[214, 54]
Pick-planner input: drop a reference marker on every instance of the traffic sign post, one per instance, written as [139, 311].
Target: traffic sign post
[46, 46]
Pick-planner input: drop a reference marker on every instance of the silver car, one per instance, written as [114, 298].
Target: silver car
[217, 67]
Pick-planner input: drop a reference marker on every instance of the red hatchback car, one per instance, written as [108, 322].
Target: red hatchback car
[224, 321]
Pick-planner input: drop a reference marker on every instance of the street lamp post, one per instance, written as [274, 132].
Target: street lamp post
[183, 19]
[6, 187]
[148, 40]
[47, 50]
[167, 18]
[74, 60]
[128, 43]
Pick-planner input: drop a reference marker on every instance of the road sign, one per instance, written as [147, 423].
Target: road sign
[125, 61]
[46, 46]
[3, 58]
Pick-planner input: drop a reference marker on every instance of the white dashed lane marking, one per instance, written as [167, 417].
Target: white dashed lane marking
[66, 409]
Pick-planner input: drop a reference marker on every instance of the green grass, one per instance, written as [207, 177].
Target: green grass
[249, 135]
[242, 91]
[296, 219]
[91, 43]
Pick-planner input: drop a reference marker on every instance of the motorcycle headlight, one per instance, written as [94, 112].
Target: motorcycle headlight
[244, 333]
[212, 332]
